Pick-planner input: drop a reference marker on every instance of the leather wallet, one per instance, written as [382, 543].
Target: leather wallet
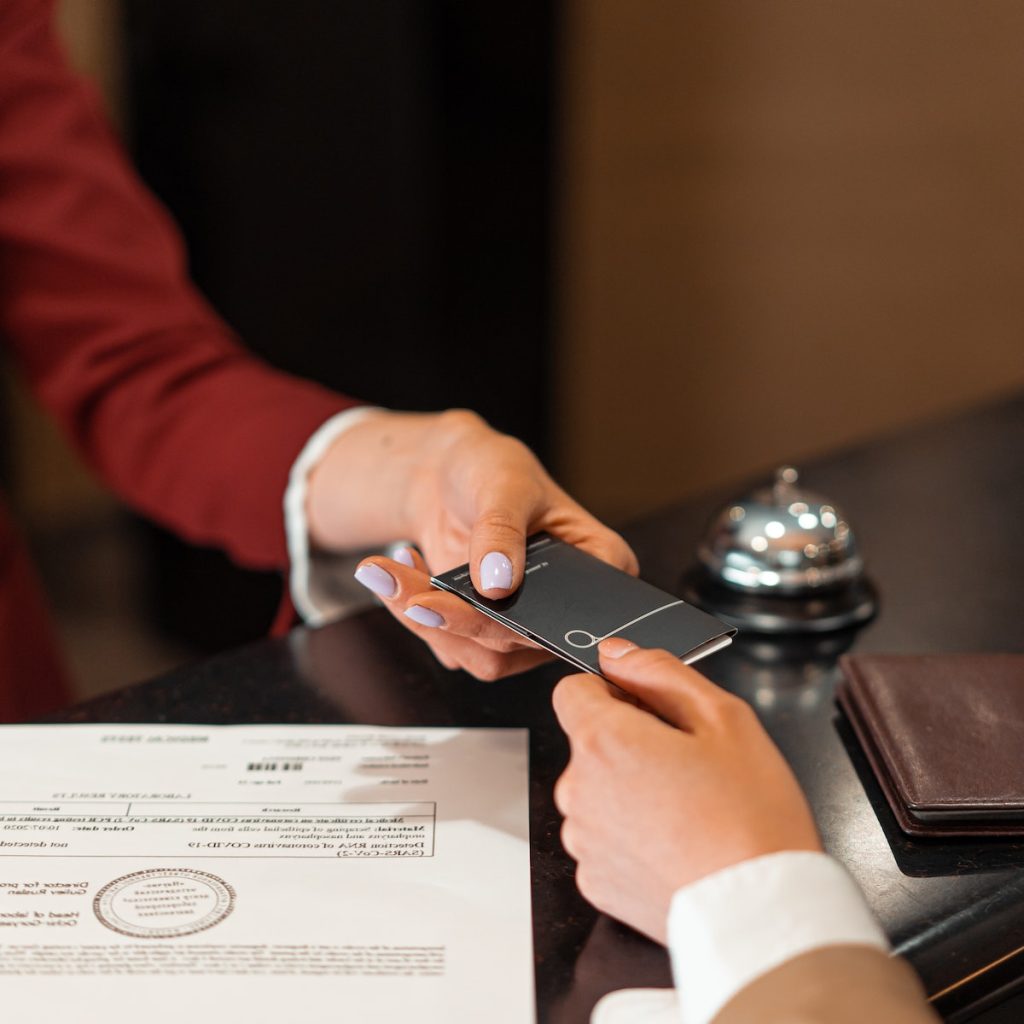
[945, 737]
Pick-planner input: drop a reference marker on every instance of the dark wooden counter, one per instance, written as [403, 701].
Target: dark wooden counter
[939, 512]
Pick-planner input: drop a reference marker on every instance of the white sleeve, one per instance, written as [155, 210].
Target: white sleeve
[302, 572]
[731, 927]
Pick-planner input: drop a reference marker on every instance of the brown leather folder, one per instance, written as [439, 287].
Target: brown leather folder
[945, 737]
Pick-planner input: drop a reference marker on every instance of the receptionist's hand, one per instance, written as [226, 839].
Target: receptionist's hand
[463, 492]
[659, 795]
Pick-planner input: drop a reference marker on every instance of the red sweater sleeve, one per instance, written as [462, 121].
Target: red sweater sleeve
[98, 311]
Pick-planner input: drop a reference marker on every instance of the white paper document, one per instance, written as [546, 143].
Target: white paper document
[264, 874]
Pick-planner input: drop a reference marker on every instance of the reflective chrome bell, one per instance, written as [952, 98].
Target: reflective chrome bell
[782, 560]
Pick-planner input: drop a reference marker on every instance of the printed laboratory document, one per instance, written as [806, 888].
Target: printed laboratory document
[203, 874]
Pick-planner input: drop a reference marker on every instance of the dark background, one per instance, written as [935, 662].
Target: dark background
[365, 190]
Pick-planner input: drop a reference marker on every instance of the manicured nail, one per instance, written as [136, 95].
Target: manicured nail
[404, 555]
[424, 616]
[374, 578]
[615, 647]
[496, 571]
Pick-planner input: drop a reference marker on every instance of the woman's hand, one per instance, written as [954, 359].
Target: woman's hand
[463, 492]
[655, 799]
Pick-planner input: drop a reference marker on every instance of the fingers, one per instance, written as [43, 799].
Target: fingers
[569, 835]
[455, 654]
[572, 523]
[676, 692]
[407, 592]
[611, 548]
[488, 666]
[581, 700]
[583, 705]
[459, 636]
[497, 544]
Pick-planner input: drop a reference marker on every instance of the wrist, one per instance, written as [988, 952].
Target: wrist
[356, 494]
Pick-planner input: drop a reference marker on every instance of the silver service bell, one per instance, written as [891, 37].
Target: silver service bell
[782, 560]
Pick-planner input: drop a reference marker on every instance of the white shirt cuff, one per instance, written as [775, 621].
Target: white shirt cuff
[637, 1006]
[296, 529]
[731, 927]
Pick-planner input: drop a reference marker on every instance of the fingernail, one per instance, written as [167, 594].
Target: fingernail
[496, 571]
[374, 578]
[424, 616]
[404, 555]
[615, 647]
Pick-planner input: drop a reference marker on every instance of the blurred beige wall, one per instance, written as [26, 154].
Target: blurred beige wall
[786, 226]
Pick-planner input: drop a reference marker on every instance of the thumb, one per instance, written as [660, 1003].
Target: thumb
[497, 546]
[672, 690]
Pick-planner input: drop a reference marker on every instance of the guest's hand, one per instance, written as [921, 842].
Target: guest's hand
[655, 799]
[463, 492]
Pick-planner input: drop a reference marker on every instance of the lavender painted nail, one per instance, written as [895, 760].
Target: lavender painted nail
[424, 616]
[496, 571]
[374, 578]
[404, 555]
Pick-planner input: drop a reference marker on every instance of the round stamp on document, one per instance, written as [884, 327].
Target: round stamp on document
[164, 903]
